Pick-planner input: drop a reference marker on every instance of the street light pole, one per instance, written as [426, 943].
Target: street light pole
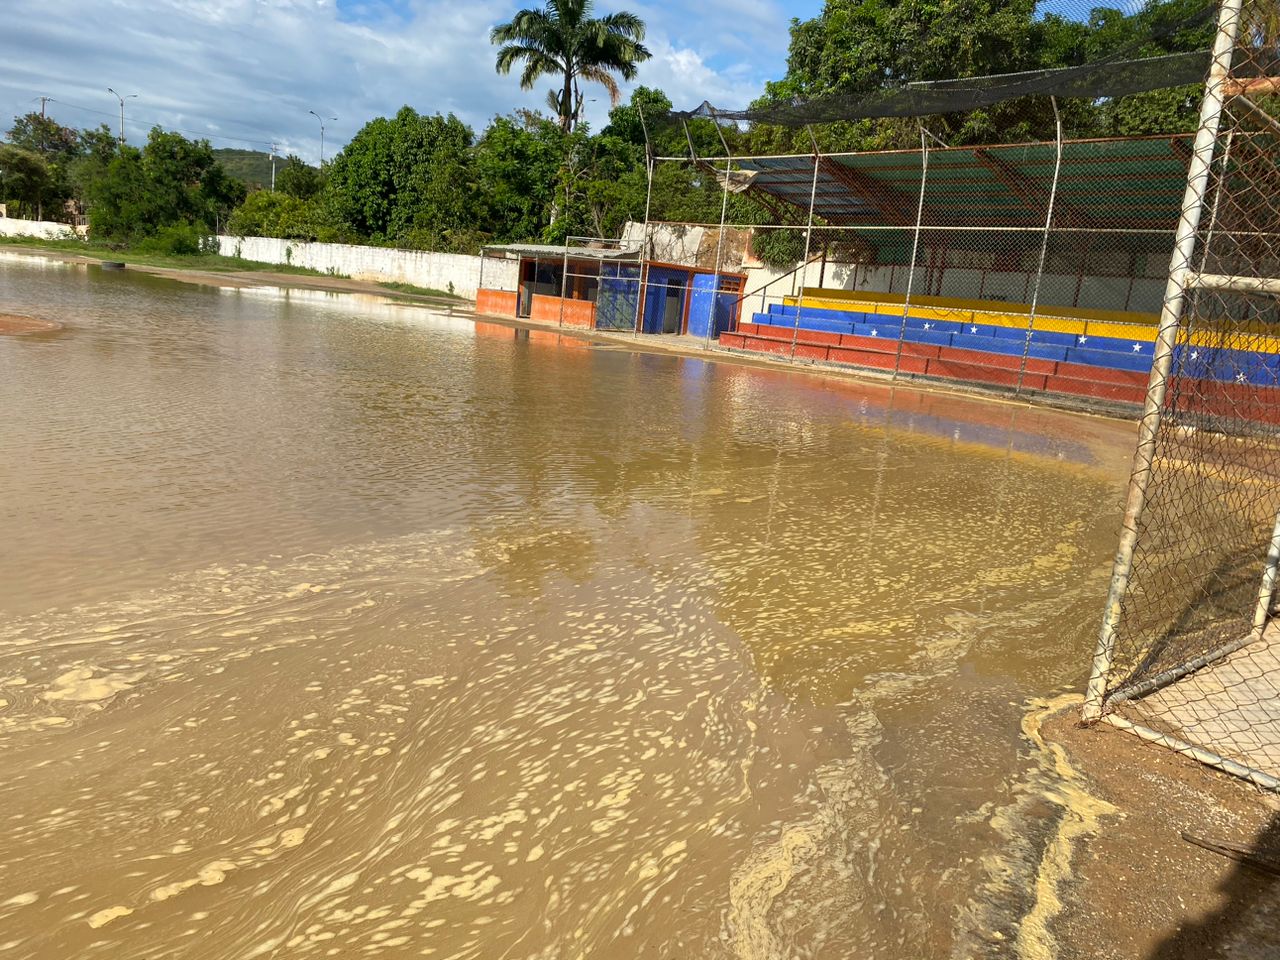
[321, 119]
[131, 96]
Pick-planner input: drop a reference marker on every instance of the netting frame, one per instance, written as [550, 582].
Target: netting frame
[1102, 701]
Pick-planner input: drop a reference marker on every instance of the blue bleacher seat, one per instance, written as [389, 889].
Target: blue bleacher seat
[1115, 359]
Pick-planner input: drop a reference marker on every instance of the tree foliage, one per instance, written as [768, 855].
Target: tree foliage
[428, 181]
[265, 213]
[171, 180]
[858, 47]
[299, 179]
[27, 181]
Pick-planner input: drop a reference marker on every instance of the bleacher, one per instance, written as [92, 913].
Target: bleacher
[1104, 355]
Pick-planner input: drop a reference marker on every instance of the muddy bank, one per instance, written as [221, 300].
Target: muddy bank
[13, 325]
[1139, 890]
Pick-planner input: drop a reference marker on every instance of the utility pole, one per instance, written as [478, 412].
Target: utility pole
[321, 119]
[44, 152]
[131, 96]
[273, 168]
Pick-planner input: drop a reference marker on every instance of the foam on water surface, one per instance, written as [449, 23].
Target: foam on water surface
[389, 640]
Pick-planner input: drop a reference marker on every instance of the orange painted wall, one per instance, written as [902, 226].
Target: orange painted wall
[497, 303]
[577, 313]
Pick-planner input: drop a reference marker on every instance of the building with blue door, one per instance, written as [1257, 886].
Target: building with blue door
[610, 288]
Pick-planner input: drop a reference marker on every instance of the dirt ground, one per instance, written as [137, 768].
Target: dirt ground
[1139, 890]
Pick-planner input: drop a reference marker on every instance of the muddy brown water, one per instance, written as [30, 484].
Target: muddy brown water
[334, 627]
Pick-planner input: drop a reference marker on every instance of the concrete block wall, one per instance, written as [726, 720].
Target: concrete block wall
[42, 229]
[421, 268]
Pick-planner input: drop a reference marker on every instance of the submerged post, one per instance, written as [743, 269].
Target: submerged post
[915, 248]
[1044, 242]
[1170, 318]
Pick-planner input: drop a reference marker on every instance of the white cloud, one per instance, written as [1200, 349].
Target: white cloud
[253, 68]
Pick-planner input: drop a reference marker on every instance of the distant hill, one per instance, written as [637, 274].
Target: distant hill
[251, 166]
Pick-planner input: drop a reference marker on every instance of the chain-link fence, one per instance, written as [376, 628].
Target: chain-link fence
[1008, 236]
[1034, 267]
[1189, 655]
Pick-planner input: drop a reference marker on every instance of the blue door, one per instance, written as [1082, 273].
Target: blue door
[618, 298]
[709, 310]
[664, 296]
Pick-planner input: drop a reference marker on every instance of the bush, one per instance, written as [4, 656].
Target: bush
[179, 240]
[779, 249]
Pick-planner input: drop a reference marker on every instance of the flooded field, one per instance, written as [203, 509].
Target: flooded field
[331, 627]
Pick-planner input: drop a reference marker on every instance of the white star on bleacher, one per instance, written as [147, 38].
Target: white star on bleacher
[928, 326]
[1137, 348]
[1194, 354]
[1240, 378]
[1082, 339]
[973, 329]
[875, 333]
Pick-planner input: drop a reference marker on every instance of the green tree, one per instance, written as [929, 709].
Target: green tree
[170, 181]
[45, 136]
[299, 179]
[406, 180]
[273, 214]
[517, 162]
[57, 146]
[26, 180]
[96, 148]
[564, 40]
[858, 47]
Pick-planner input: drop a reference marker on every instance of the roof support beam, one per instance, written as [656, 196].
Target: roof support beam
[1033, 196]
[892, 206]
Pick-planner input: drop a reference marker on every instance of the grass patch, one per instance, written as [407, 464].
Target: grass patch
[399, 287]
[208, 262]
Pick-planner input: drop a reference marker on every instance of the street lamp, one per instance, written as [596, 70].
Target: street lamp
[132, 96]
[321, 119]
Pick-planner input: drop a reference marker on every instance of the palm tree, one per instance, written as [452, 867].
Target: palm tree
[565, 40]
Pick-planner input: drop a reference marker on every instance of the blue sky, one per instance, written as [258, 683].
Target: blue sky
[252, 69]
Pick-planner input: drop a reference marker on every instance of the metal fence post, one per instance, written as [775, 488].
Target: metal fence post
[724, 207]
[915, 248]
[808, 236]
[1044, 243]
[564, 280]
[1267, 589]
[642, 269]
[1170, 318]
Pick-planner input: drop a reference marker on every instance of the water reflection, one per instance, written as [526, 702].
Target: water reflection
[341, 628]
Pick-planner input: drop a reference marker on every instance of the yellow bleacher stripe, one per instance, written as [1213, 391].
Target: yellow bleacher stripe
[1113, 324]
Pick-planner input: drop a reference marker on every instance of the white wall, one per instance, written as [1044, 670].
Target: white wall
[683, 243]
[379, 264]
[1143, 294]
[44, 229]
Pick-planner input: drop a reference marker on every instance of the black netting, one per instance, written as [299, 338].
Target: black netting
[1120, 73]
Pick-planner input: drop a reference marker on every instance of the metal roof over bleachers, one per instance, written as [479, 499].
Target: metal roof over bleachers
[1004, 186]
